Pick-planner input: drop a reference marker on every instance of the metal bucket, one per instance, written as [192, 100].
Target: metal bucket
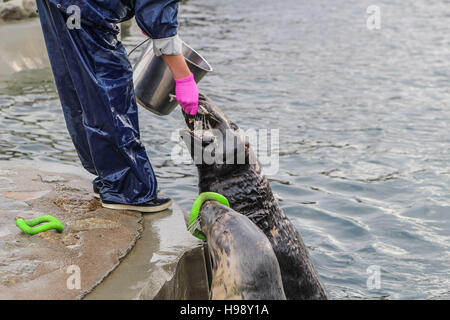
[154, 85]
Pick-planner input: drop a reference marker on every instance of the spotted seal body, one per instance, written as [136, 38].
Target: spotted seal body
[243, 263]
[249, 193]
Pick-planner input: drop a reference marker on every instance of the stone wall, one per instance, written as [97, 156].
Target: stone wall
[17, 10]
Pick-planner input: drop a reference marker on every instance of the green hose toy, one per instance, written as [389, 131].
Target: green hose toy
[194, 223]
[26, 225]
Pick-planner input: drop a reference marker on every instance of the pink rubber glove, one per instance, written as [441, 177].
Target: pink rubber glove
[186, 92]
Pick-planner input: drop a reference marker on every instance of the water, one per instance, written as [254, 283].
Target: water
[363, 118]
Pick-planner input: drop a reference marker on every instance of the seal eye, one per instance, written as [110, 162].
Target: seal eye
[233, 126]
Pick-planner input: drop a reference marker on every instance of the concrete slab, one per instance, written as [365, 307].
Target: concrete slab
[45, 266]
[95, 241]
[164, 248]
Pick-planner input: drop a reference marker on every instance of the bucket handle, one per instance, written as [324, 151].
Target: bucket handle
[140, 44]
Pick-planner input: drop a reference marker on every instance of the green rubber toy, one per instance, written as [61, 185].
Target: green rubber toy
[26, 225]
[193, 218]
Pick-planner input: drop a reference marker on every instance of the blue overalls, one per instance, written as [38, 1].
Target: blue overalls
[95, 84]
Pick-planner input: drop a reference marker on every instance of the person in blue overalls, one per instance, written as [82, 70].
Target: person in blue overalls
[95, 84]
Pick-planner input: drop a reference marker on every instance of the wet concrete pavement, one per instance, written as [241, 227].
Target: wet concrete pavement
[156, 267]
[95, 241]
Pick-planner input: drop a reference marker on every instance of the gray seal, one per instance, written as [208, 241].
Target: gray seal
[249, 193]
[243, 263]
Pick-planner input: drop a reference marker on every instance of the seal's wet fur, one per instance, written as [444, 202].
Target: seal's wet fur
[249, 274]
[249, 193]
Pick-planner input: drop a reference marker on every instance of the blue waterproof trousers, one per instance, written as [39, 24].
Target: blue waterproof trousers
[95, 84]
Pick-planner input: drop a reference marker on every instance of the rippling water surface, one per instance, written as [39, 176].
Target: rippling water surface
[363, 118]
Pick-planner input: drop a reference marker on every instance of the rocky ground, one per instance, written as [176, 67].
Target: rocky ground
[18, 9]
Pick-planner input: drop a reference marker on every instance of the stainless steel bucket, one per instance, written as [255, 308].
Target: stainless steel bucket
[153, 82]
